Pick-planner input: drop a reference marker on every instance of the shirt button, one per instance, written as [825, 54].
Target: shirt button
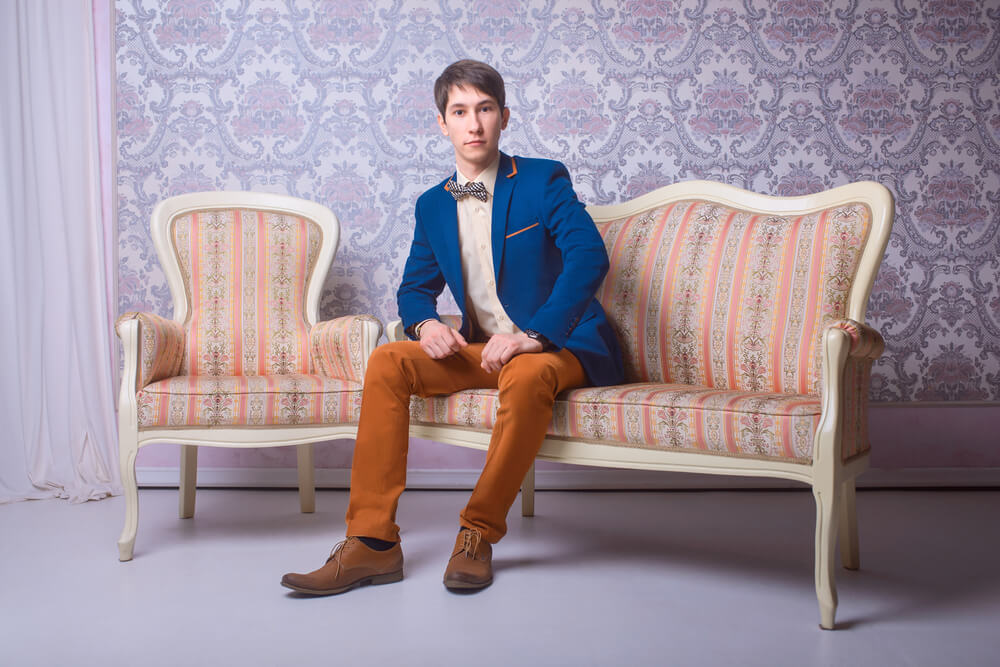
[482, 246]
[481, 211]
[490, 283]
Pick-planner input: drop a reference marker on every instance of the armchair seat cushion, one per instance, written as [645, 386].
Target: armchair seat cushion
[248, 400]
[657, 416]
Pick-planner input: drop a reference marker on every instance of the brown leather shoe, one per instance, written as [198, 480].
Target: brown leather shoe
[351, 564]
[470, 566]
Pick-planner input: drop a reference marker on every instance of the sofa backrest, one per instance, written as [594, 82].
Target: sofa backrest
[705, 293]
[245, 274]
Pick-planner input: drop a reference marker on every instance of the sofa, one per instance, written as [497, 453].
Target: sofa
[741, 317]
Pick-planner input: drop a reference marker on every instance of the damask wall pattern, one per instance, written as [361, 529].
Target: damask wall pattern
[330, 100]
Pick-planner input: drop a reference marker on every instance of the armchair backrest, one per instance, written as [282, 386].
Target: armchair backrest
[245, 270]
[717, 286]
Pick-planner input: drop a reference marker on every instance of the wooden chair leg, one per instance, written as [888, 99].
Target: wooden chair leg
[849, 553]
[528, 493]
[307, 479]
[827, 500]
[189, 480]
[128, 448]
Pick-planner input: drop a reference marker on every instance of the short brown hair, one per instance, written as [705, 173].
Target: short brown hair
[472, 73]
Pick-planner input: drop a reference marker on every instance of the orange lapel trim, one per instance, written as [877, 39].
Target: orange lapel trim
[513, 168]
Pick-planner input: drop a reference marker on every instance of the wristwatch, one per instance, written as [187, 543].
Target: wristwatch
[534, 335]
[418, 326]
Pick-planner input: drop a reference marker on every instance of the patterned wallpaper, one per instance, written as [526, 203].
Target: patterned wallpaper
[331, 101]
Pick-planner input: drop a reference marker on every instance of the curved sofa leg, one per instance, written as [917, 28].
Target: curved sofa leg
[528, 493]
[307, 479]
[849, 553]
[128, 448]
[826, 525]
[189, 480]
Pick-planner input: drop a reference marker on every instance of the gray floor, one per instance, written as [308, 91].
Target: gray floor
[597, 578]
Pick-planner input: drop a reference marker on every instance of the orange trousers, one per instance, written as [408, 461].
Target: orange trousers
[528, 385]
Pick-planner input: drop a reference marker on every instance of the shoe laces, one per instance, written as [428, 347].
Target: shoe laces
[471, 542]
[334, 552]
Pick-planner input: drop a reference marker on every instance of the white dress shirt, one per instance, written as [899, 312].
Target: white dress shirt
[475, 240]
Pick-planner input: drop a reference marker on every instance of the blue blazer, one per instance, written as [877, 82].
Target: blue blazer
[548, 257]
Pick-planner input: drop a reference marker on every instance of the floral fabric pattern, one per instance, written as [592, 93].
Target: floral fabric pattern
[707, 295]
[246, 274]
[656, 416]
[161, 346]
[337, 347]
[249, 400]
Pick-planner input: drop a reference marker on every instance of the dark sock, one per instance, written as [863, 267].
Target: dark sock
[376, 544]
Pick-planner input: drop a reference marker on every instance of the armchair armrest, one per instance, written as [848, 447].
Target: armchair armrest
[341, 347]
[157, 346]
[394, 330]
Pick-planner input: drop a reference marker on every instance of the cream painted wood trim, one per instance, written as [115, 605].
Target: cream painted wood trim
[575, 478]
[874, 195]
[169, 209]
[371, 331]
[250, 437]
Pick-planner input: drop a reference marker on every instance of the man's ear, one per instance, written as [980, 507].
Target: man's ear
[506, 118]
[444, 128]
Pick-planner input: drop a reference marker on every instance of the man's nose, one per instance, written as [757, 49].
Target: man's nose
[477, 124]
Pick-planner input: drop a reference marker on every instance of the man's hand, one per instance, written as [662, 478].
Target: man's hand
[438, 340]
[501, 348]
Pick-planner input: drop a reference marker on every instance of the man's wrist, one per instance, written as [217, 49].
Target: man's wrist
[536, 336]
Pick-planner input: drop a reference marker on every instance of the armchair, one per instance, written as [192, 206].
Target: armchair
[243, 362]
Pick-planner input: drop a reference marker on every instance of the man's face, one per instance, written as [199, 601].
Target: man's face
[473, 121]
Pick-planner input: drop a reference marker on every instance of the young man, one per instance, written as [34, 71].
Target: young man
[523, 259]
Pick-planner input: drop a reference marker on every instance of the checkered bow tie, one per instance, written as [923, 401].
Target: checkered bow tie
[470, 189]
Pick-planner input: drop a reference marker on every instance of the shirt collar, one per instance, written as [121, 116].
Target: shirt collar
[488, 177]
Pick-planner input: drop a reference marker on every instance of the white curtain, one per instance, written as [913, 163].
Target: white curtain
[57, 418]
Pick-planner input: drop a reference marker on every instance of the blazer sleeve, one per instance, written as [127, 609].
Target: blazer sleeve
[585, 260]
[422, 281]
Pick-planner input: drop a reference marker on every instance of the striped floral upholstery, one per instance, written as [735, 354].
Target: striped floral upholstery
[336, 347]
[657, 416]
[706, 295]
[249, 400]
[161, 346]
[246, 275]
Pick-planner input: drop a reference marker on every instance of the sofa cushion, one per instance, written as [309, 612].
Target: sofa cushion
[704, 294]
[249, 400]
[657, 416]
[246, 276]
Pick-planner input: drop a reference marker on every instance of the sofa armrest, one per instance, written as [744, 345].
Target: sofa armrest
[395, 332]
[158, 346]
[849, 350]
[340, 347]
[866, 342]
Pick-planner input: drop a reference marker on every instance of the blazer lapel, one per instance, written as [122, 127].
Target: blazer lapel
[503, 189]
